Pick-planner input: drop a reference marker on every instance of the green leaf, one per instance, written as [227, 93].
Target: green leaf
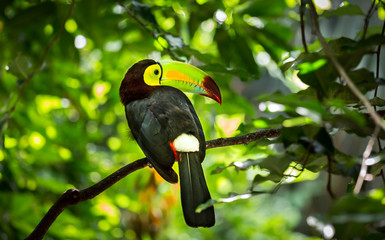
[260, 8]
[276, 165]
[239, 166]
[218, 169]
[364, 79]
[274, 122]
[244, 165]
[20, 67]
[350, 52]
[345, 9]
[376, 101]
[233, 197]
[243, 55]
[174, 42]
[291, 135]
[352, 215]
[239, 55]
[299, 104]
[307, 67]
[219, 68]
[317, 73]
[144, 11]
[272, 37]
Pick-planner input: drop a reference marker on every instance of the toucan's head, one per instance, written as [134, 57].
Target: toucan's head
[146, 75]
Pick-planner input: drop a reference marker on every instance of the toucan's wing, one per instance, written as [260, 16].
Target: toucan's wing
[151, 138]
[157, 120]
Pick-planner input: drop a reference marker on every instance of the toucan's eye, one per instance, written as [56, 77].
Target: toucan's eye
[156, 72]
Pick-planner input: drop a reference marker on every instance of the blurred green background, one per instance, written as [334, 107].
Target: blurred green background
[68, 129]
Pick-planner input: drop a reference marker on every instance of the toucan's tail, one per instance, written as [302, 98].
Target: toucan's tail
[194, 190]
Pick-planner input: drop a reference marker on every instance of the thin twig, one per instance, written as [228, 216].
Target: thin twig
[74, 196]
[41, 60]
[376, 118]
[367, 18]
[364, 166]
[302, 13]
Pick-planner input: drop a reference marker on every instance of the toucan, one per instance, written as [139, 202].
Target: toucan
[167, 129]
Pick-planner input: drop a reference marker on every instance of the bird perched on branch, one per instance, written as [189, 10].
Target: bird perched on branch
[167, 129]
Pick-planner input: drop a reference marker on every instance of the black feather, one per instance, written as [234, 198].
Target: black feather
[194, 191]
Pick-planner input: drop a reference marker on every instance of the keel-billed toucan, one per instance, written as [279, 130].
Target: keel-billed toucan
[167, 129]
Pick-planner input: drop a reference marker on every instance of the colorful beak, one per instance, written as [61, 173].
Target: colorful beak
[188, 78]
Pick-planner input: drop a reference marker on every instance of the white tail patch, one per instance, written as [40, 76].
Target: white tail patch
[186, 143]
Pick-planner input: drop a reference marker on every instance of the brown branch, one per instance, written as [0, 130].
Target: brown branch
[244, 139]
[341, 71]
[74, 196]
[41, 60]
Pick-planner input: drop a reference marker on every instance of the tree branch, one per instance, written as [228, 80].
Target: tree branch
[244, 139]
[74, 196]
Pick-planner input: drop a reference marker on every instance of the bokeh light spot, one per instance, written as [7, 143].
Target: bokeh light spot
[80, 41]
[36, 140]
[71, 26]
[323, 4]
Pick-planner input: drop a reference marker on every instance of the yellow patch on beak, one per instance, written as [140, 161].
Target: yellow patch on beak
[175, 75]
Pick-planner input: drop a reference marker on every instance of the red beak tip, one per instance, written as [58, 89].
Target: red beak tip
[212, 89]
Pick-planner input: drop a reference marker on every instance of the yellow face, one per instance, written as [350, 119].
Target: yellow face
[152, 75]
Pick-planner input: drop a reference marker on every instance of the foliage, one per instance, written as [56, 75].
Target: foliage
[62, 125]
